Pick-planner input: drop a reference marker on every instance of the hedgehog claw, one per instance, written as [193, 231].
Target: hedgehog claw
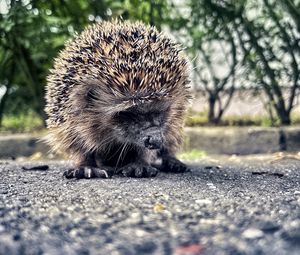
[86, 173]
[138, 171]
[173, 165]
[73, 173]
[100, 173]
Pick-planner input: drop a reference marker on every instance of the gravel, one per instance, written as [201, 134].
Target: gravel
[234, 208]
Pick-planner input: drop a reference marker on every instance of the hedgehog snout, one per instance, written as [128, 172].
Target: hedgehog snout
[153, 141]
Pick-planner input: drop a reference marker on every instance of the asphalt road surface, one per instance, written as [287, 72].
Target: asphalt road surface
[250, 207]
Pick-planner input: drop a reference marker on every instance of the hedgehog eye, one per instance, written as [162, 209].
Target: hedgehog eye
[91, 97]
[125, 115]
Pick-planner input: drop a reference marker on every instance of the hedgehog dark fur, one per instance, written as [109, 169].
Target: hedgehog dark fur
[116, 99]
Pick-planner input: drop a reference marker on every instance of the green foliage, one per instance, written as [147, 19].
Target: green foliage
[196, 119]
[153, 12]
[192, 155]
[30, 37]
[22, 122]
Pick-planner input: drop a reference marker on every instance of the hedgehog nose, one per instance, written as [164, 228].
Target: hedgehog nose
[152, 142]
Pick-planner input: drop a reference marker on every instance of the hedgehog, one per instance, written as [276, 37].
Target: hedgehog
[115, 101]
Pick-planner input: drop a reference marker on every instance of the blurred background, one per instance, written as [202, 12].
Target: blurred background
[245, 55]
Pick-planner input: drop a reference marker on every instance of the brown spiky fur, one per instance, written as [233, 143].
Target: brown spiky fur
[125, 64]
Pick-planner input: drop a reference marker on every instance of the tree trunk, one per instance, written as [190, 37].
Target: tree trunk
[284, 117]
[211, 110]
[269, 109]
[3, 102]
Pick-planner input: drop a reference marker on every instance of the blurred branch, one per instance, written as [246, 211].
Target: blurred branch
[293, 11]
[289, 48]
[6, 94]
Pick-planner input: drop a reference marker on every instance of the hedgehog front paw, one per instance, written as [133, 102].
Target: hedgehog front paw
[138, 171]
[173, 165]
[87, 173]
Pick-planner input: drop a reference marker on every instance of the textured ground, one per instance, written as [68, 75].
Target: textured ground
[242, 207]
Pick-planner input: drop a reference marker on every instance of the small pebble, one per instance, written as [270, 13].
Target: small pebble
[203, 201]
[269, 226]
[211, 185]
[252, 233]
[158, 207]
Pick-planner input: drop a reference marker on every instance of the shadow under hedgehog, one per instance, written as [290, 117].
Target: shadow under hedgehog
[116, 99]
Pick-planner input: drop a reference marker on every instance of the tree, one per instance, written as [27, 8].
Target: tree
[218, 86]
[276, 57]
[213, 51]
[269, 39]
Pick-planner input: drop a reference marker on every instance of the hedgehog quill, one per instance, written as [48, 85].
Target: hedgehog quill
[116, 99]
